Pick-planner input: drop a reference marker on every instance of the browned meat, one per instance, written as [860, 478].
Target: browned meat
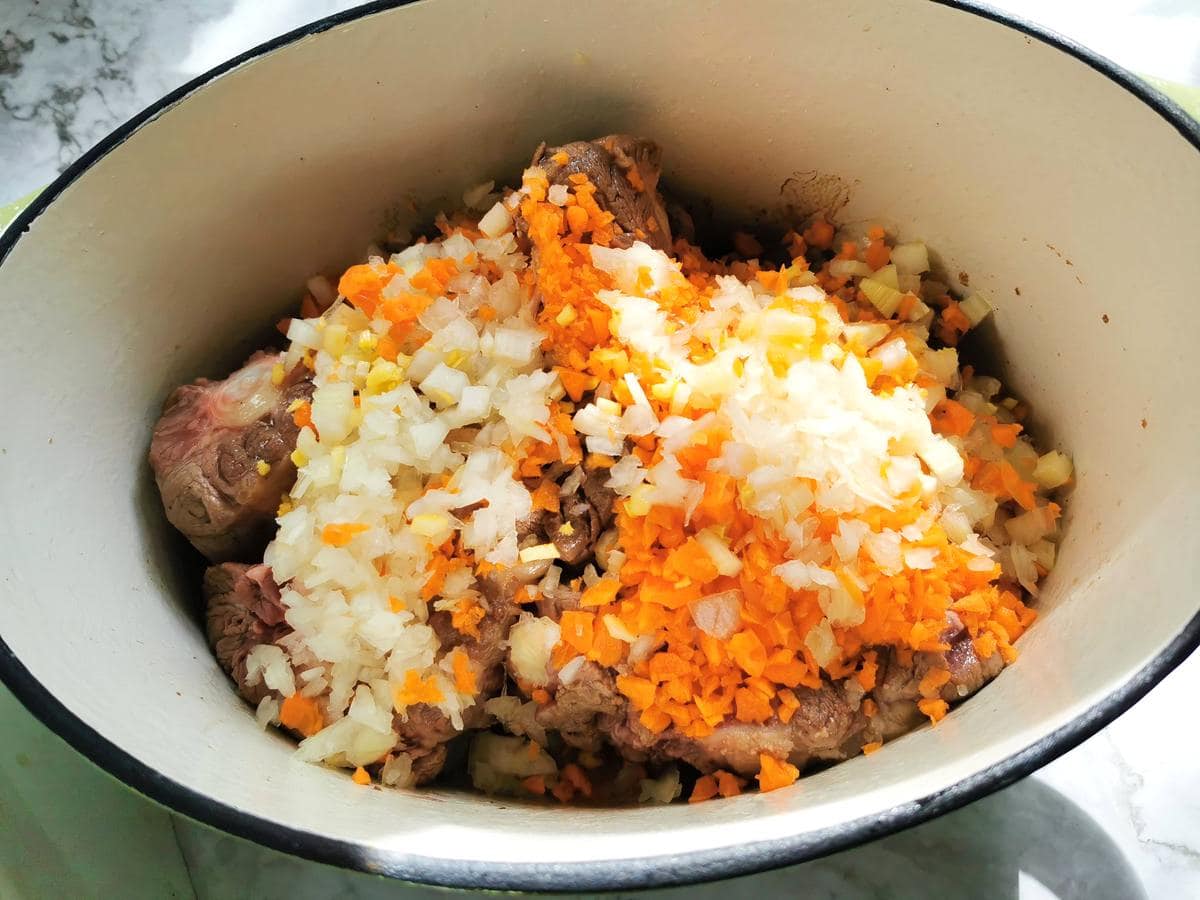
[205, 454]
[602, 498]
[585, 711]
[576, 527]
[554, 602]
[968, 672]
[827, 725]
[243, 610]
[625, 171]
[425, 730]
[427, 766]
[897, 689]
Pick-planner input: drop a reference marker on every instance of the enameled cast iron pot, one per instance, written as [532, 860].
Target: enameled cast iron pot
[1067, 190]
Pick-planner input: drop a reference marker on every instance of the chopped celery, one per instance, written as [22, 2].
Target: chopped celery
[1053, 469]
[976, 309]
[918, 311]
[883, 297]
[887, 275]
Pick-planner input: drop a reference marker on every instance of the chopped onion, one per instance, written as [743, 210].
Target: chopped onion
[474, 197]
[322, 290]
[942, 365]
[617, 629]
[985, 385]
[920, 557]
[718, 615]
[891, 355]
[267, 711]
[550, 582]
[635, 390]
[862, 336]
[1044, 552]
[444, 385]
[642, 648]
[557, 194]
[840, 606]
[496, 221]
[1024, 567]
[956, 524]
[911, 258]
[1029, 527]
[848, 268]
[821, 641]
[723, 558]
[568, 672]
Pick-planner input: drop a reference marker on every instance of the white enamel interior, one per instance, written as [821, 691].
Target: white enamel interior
[174, 253]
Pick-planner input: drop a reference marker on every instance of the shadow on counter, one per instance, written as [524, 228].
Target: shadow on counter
[1028, 841]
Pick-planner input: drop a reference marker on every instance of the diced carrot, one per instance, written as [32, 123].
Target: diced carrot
[878, 254]
[361, 776]
[546, 496]
[752, 706]
[1006, 435]
[417, 690]
[339, 534]
[301, 714]
[747, 651]
[464, 672]
[466, 616]
[819, 234]
[932, 683]
[577, 779]
[601, 593]
[950, 417]
[387, 348]
[866, 675]
[576, 627]
[705, 789]
[665, 666]
[1020, 490]
[302, 414]
[640, 691]
[775, 773]
[728, 784]
[934, 708]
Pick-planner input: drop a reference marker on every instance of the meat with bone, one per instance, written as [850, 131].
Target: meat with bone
[625, 171]
[897, 689]
[221, 454]
[424, 729]
[242, 610]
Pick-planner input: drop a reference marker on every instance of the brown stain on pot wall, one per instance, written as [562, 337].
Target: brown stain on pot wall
[807, 193]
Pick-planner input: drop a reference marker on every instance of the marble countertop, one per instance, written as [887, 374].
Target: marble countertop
[1118, 817]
